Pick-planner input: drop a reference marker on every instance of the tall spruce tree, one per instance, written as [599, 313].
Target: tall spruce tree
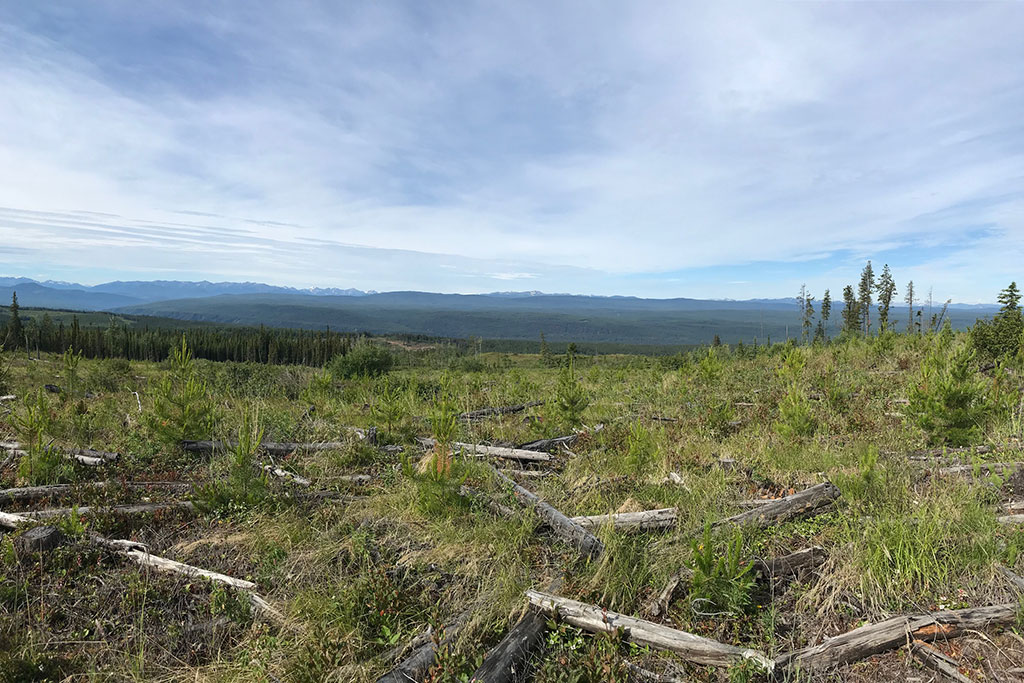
[867, 286]
[805, 302]
[886, 289]
[821, 334]
[851, 310]
[15, 330]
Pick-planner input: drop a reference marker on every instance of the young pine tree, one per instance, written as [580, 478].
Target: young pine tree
[182, 408]
[886, 289]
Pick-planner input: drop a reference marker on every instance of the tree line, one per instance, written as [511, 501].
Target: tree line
[118, 340]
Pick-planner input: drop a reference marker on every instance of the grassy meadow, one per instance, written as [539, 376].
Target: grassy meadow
[360, 569]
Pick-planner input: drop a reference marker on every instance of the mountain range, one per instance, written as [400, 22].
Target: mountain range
[499, 315]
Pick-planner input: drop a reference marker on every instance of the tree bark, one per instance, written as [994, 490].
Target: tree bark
[503, 410]
[937, 661]
[509, 660]
[113, 509]
[892, 633]
[481, 450]
[664, 518]
[30, 493]
[588, 544]
[692, 648]
[416, 666]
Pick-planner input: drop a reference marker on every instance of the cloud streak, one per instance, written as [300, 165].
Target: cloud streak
[661, 149]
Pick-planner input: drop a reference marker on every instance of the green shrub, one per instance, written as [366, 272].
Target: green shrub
[948, 402]
[237, 483]
[571, 399]
[182, 407]
[365, 359]
[722, 581]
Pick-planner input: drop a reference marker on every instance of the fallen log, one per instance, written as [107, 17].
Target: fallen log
[30, 493]
[800, 504]
[791, 565]
[892, 633]
[637, 673]
[113, 509]
[480, 450]
[494, 506]
[138, 553]
[503, 410]
[1011, 519]
[664, 518]
[986, 467]
[509, 660]
[416, 665]
[527, 474]
[7, 397]
[588, 544]
[85, 456]
[692, 648]
[268, 447]
[937, 661]
[549, 444]
[275, 471]
[1015, 579]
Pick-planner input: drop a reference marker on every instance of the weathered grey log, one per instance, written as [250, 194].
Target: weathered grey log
[276, 471]
[1010, 519]
[509, 660]
[665, 518]
[692, 648]
[502, 410]
[7, 397]
[416, 665]
[548, 445]
[800, 504]
[481, 450]
[792, 565]
[892, 633]
[138, 553]
[984, 467]
[268, 447]
[1015, 579]
[937, 661]
[357, 479]
[85, 456]
[30, 493]
[637, 673]
[527, 474]
[494, 506]
[113, 509]
[39, 539]
[588, 544]
[91, 453]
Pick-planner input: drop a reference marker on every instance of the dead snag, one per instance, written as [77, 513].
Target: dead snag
[937, 661]
[416, 665]
[588, 544]
[503, 410]
[664, 518]
[692, 648]
[509, 660]
[892, 633]
[801, 504]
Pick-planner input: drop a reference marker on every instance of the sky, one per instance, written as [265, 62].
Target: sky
[659, 149]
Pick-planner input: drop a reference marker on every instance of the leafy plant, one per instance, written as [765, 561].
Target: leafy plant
[182, 407]
[722, 581]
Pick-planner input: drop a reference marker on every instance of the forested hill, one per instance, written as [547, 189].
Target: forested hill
[560, 318]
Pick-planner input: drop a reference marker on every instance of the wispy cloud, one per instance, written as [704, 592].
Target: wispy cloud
[661, 149]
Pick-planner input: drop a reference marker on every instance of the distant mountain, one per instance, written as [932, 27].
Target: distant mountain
[34, 295]
[498, 315]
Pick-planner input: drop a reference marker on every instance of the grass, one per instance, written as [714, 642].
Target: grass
[357, 577]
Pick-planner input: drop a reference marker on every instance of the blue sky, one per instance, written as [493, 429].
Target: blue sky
[656, 149]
